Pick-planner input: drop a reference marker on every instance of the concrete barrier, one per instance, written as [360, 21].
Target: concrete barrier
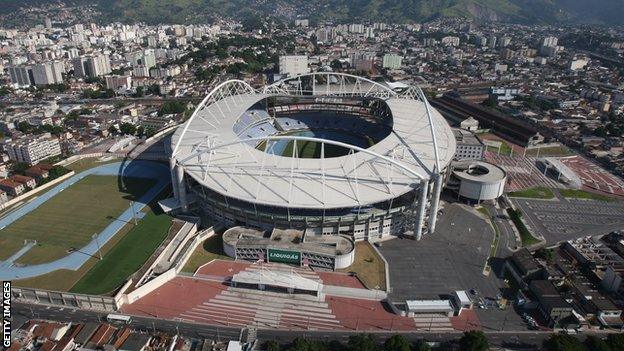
[121, 297]
[166, 254]
[386, 267]
[149, 286]
[162, 132]
[197, 240]
[75, 158]
[342, 291]
[57, 298]
[124, 297]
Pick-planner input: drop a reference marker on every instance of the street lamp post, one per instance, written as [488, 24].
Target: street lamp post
[97, 242]
[133, 213]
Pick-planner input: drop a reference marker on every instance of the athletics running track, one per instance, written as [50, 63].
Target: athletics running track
[73, 261]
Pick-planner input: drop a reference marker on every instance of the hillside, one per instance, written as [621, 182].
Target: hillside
[524, 11]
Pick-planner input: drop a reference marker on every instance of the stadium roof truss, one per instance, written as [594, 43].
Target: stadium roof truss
[209, 150]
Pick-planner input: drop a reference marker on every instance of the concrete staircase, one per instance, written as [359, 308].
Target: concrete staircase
[263, 309]
[433, 322]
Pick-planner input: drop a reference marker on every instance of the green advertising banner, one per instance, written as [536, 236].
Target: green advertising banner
[284, 256]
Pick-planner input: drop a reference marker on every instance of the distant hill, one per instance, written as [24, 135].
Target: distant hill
[525, 11]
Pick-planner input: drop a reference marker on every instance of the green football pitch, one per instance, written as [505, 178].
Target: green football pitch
[127, 256]
[313, 149]
[70, 218]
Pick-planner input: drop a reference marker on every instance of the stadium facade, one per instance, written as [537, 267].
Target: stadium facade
[327, 153]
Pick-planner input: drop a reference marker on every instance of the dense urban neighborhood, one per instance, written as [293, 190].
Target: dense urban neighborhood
[308, 182]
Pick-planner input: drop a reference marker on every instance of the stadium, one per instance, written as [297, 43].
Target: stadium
[325, 153]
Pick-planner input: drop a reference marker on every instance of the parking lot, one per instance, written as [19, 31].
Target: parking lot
[565, 219]
[451, 259]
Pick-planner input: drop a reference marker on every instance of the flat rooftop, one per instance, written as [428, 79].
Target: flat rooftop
[466, 137]
[288, 239]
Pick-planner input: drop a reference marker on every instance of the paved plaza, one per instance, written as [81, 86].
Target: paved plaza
[451, 259]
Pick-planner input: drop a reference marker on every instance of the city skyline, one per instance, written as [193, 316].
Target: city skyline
[280, 182]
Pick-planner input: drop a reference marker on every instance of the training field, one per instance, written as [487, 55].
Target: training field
[70, 218]
[127, 256]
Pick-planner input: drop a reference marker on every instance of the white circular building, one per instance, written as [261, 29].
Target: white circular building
[477, 180]
[327, 153]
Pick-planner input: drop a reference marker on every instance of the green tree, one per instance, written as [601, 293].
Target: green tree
[491, 102]
[252, 22]
[272, 345]
[595, 343]
[601, 131]
[421, 345]
[140, 92]
[171, 107]
[362, 342]
[57, 171]
[149, 131]
[473, 340]
[112, 130]
[546, 254]
[25, 127]
[397, 343]
[300, 344]
[616, 341]
[20, 167]
[127, 128]
[336, 65]
[153, 89]
[335, 345]
[563, 342]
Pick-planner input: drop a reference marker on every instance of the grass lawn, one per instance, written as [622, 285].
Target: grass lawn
[210, 249]
[312, 149]
[525, 235]
[70, 218]
[484, 211]
[126, 257]
[87, 163]
[581, 194]
[368, 266]
[505, 149]
[64, 279]
[534, 193]
[496, 239]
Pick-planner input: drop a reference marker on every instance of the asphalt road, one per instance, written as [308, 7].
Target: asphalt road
[21, 312]
[508, 238]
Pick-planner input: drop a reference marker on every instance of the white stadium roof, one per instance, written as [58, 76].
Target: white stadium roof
[216, 157]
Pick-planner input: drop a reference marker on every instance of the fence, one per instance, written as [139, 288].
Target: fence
[47, 297]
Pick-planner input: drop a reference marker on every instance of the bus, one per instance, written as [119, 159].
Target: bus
[118, 318]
